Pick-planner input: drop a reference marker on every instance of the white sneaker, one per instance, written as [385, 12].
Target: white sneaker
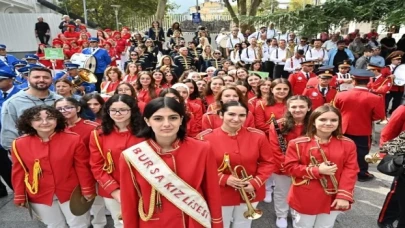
[268, 197]
[281, 222]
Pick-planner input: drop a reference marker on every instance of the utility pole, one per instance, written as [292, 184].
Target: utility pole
[85, 12]
[116, 8]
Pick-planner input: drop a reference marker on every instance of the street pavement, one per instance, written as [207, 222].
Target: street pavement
[369, 198]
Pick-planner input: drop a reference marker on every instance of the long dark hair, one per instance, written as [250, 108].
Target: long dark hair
[84, 113]
[151, 87]
[289, 123]
[195, 94]
[271, 100]
[107, 124]
[95, 96]
[24, 124]
[155, 105]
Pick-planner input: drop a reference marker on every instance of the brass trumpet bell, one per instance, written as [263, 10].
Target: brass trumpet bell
[373, 158]
[252, 215]
[84, 75]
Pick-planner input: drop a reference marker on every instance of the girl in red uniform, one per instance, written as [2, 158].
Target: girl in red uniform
[160, 81]
[212, 119]
[128, 89]
[111, 52]
[323, 167]
[145, 87]
[194, 96]
[195, 110]
[241, 74]
[293, 126]
[41, 54]
[262, 94]
[48, 164]
[170, 79]
[213, 88]
[144, 206]
[120, 123]
[131, 74]
[114, 77]
[236, 145]
[95, 103]
[65, 88]
[75, 115]
[252, 82]
[275, 106]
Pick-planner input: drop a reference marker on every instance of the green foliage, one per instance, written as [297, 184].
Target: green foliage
[104, 14]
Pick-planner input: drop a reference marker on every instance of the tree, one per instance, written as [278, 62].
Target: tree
[246, 12]
[103, 13]
[160, 12]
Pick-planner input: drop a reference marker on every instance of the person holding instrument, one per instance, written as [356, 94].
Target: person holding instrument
[323, 167]
[176, 184]
[44, 173]
[244, 163]
[294, 125]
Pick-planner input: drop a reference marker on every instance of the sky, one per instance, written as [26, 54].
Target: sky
[184, 5]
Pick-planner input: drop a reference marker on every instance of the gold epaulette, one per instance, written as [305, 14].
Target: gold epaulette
[345, 138]
[89, 122]
[201, 135]
[302, 139]
[255, 130]
[211, 113]
[22, 136]
[251, 99]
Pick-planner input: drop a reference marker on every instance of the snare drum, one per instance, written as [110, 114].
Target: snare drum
[84, 61]
[399, 73]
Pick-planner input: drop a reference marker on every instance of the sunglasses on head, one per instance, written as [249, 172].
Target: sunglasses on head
[217, 53]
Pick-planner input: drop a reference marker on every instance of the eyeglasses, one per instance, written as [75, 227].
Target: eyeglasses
[217, 53]
[120, 111]
[65, 109]
[47, 119]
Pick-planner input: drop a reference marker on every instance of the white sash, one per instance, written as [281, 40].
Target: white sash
[156, 172]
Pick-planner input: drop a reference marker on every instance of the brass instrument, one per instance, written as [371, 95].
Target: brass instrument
[259, 50]
[373, 158]
[323, 180]
[84, 75]
[251, 213]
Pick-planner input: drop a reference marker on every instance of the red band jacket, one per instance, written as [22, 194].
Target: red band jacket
[395, 126]
[306, 194]
[192, 161]
[64, 164]
[263, 114]
[299, 82]
[248, 148]
[316, 96]
[84, 128]
[195, 119]
[387, 71]
[104, 164]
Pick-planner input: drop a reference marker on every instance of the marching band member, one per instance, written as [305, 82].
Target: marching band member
[160, 81]
[183, 61]
[302, 45]
[121, 122]
[362, 107]
[213, 88]
[215, 61]
[263, 94]
[102, 60]
[95, 103]
[300, 79]
[274, 106]
[250, 54]
[134, 58]
[313, 81]
[235, 54]
[113, 53]
[176, 38]
[71, 74]
[279, 57]
[344, 79]
[212, 120]
[175, 26]
[180, 177]
[157, 34]
[324, 165]
[193, 111]
[256, 35]
[65, 88]
[131, 73]
[271, 31]
[114, 78]
[294, 125]
[145, 87]
[233, 40]
[196, 53]
[380, 84]
[55, 170]
[128, 89]
[75, 115]
[169, 77]
[167, 61]
[194, 96]
[322, 93]
[251, 83]
[152, 51]
[317, 54]
[236, 145]
[293, 64]
[396, 91]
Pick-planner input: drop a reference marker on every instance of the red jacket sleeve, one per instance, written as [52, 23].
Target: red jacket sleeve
[206, 122]
[394, 126]
[211, 189]
[129, 206]
[275, 149]
[260, 118]
[197, 114]
[17, 179]
[385, 87]
[349, 173]
[105, 180]
[379, 110]
[82, 167]
[250, 121]
[265, 166]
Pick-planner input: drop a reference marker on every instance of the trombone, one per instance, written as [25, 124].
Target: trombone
[240, 172]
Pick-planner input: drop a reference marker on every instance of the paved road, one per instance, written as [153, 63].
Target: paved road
[369, 198]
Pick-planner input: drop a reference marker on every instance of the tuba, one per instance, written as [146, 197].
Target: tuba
[323, 180]
[83, 75]
[240, 172]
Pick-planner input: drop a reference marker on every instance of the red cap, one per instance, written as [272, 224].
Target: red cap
[57, 41]
[107, 30]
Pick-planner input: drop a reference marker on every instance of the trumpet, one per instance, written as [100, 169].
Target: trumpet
[373, 158]
[240, 172]
[323, 180]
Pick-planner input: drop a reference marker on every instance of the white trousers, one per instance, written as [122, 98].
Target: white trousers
[98, 212]
[283, 184]
[115, 208]
[234, 214]
[315, 221]
[59, 216]
[269, 184]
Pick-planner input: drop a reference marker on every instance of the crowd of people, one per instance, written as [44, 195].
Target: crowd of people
[165, 133]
